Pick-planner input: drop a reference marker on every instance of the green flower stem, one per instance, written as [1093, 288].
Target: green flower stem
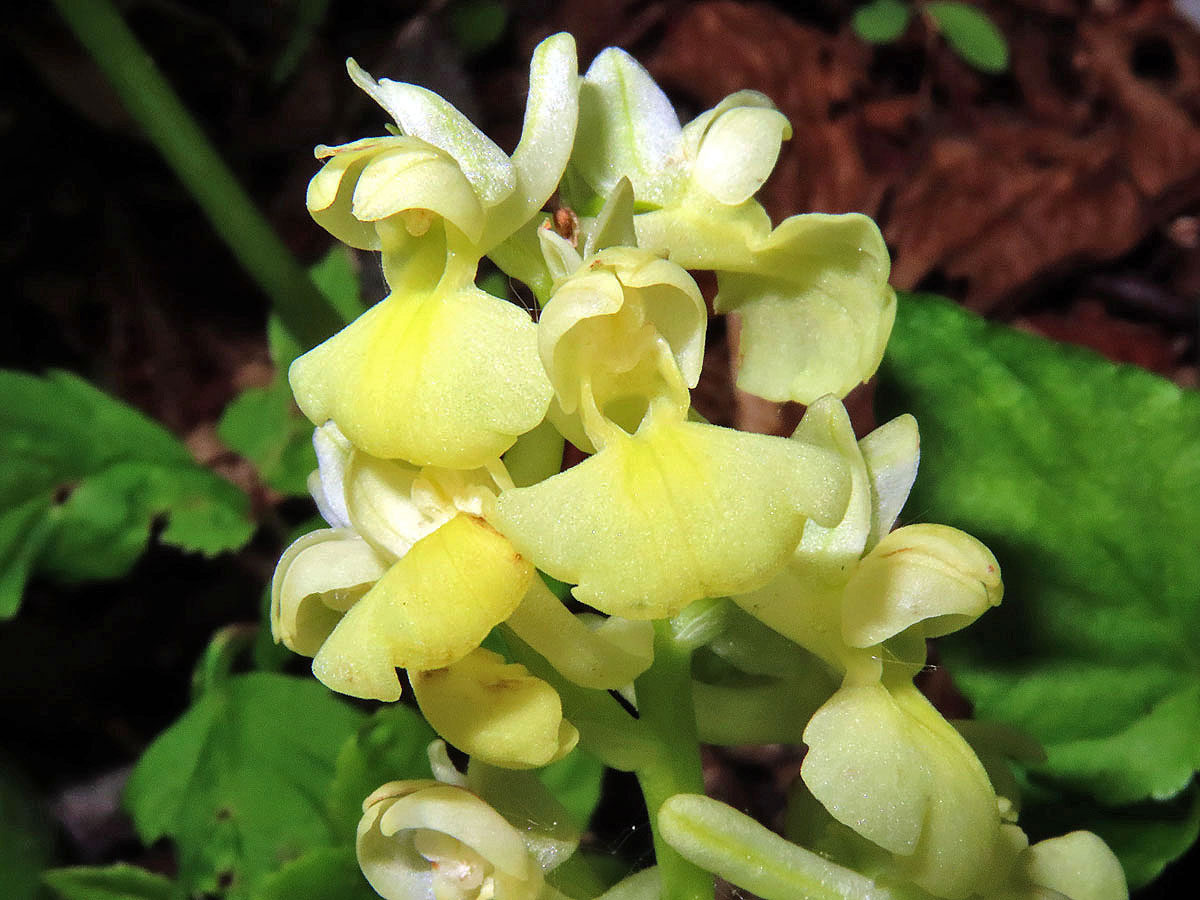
[152, 102]
[664, 695]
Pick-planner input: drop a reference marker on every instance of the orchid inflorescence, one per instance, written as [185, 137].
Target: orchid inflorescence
[441, 415]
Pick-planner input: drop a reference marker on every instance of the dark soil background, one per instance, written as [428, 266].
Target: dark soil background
[1062, 196]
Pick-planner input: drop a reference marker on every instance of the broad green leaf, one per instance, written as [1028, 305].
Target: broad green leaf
[26, 835]
[972, 34]
[575, 781]
[390, 746]
[85, 477]
[1082, 477]
[881, 21]
[238, 782]
[116, 882]
[329, 873]
[264, 425]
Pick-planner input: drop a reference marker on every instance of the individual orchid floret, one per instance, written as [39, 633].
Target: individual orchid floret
[885, 763]
[374, 594]
[412, 576]
[440, 182]
[815, 305]
[423, 840]
[624, 330]
[850, 588]
[488, 833]
[881, 760]
[812, 293]
[439, 372]
[495, 711]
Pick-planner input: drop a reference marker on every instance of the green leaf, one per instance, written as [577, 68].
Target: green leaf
[390, 746]
[477, 24]
[881, 21]
[264, 424]
[239, 781]
[116, 882]
[324, 874]
[85, 477]
[26, 836]
[575, 781]
[1082, 476]
[971, 34]
[336, 278]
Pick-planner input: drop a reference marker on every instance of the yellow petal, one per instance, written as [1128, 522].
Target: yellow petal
[932, 574]
[331, 191]
[886, 764]
[414, 175]
[495, 711]
[677, 512]
[417, 839]
[826, 424]
[449, 379]
[816, 308]
[1078, 865]
[431, 609]
[317, 579]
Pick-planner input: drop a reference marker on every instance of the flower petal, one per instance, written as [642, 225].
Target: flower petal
[1078, 865]
[891, 452]
[677, 512]
[318, 578]
[449, 378]
[886, 764]
[816, 308]
[495, 711]
[430, 609]
[605, 658]
[547, 136]
[627, 127]
[933, 574]
[422, 113]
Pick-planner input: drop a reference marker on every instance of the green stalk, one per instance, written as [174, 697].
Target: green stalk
[664, 698]
[151, 101]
